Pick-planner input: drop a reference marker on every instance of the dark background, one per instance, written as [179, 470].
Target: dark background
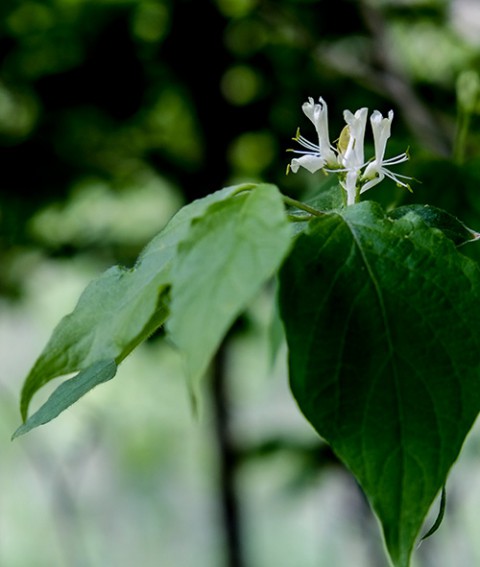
[205, 93]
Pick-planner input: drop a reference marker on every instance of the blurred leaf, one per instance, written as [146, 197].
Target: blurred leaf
[68, 393]
[241, 85]
[276, 335]
[118, 310]
[382, 324]
[252, 152]
[229, 253]
[101, 213]
[115, 312]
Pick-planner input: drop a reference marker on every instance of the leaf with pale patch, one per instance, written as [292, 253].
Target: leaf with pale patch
[229, 253]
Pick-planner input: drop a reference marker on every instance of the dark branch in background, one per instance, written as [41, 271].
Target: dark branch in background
[391, 80]
[228, 460]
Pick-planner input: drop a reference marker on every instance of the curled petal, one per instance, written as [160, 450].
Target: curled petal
[317, 113]
[379, 176]
[310, 162]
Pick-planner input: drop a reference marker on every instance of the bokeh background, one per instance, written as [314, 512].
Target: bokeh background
[114, 113]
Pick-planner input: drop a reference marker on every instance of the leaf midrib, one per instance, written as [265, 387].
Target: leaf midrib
[391, 350]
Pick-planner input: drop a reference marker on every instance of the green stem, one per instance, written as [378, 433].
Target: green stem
[297, 218]
[301, 206]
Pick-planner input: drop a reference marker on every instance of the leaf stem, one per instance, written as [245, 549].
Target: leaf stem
[302, 206]
[298, 218]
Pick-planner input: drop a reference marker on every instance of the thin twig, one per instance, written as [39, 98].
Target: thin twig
[227, 463]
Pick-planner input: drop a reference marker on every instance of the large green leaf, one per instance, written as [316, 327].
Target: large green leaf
[229, 253]
[383, 326]
[118, 310]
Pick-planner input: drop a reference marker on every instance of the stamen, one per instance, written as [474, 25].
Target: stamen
[306, 144]
[397, 159]
[304, 153]
[297, 135]
[394, 177]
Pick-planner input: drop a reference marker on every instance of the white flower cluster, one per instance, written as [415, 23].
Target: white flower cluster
[347, 159]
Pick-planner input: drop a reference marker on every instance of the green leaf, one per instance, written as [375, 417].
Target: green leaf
[230, 252]
[118, 310]
[68, 393]
[330, 195]
[433, 217]
[113, 314]
[383, 328]
[276, 335]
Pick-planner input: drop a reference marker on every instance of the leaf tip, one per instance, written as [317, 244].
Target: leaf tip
[19, 432]
[439, 519]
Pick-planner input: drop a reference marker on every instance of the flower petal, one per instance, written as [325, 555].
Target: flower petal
[353, 155]
[309, 162]
[381, 132]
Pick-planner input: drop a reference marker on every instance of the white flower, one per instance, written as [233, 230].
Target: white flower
[350, 151]
[316, 156]
[377, 170]
[347, 160]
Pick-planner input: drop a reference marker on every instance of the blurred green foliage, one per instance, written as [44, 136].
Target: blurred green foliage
[200, 94]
